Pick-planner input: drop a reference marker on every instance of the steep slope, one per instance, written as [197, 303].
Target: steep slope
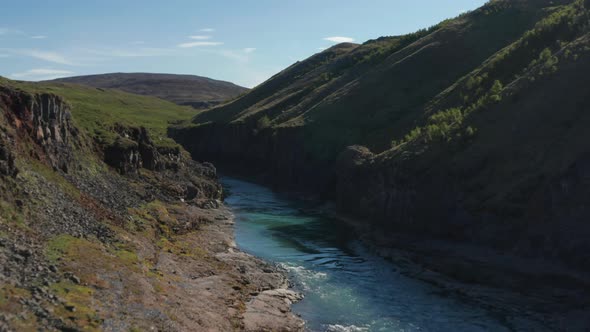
[106, 224]
[501, 156]
[196, 91]
[471, 130]
[298, 122]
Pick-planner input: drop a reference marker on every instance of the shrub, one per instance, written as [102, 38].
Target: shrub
[263, 123]
[496, 91]
[470, 132]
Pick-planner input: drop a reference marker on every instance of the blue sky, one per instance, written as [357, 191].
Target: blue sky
[243, 41]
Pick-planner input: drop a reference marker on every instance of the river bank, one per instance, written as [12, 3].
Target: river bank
[529, 294]
[518, 292]
[268, 306]
[348, 287]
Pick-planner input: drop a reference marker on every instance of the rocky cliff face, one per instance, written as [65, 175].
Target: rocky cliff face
[43, 118]
[7, 166]
[134, 149]
[277, 154]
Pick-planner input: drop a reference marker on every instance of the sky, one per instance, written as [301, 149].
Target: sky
[242, 41]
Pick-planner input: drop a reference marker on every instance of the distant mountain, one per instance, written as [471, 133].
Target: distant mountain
[196, 91]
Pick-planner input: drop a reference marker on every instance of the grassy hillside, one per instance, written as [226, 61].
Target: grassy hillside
[472, 130]
[374, 93]
[97, 111]
[519, 119]
[196, 91]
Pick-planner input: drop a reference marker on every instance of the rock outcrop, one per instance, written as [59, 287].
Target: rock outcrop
[7, 166]
[134, 149]
[44, 119]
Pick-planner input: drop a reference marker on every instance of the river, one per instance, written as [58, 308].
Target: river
[346, 287]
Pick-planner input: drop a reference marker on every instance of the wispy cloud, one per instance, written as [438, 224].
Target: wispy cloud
[137, 42]
[199, 44]
[128, 53]
[207, 30]
[38, 37]
[337, 39]
[45, 56]
[249, 50]
[200, 37]
[4, 55]
[42, 74]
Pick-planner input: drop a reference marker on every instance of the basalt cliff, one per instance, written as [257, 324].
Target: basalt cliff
[472, 131]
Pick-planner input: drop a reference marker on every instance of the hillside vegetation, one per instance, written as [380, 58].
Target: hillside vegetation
[471, 130]
[99, 111]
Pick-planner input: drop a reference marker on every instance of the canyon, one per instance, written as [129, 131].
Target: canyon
[457, 155]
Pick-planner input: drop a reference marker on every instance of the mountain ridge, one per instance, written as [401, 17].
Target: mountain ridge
[191, 90]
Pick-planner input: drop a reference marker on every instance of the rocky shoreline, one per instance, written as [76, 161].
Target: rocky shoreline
[269, 306]
[199, 281]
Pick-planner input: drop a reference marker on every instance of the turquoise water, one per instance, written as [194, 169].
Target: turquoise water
[346, 288]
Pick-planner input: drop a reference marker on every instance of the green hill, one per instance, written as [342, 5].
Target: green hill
[196, 91]
[470, 130]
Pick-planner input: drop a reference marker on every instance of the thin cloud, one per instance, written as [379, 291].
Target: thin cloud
[138, 42]
[200, 37]
[38, 37]
[45, 56]
[42, 74]
[337, 39]
[129, 53]
[249, 50]
[4, 55]
[199, 44]
[207, 30]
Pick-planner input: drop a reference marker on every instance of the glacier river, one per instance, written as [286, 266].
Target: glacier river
[346, 287]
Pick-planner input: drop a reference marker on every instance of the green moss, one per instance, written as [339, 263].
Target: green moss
[180, 248]
[51, 176]
[10, 303]
[59, 247]
[124, 143]
[10, 213]
[127, 257]
[78, 305]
